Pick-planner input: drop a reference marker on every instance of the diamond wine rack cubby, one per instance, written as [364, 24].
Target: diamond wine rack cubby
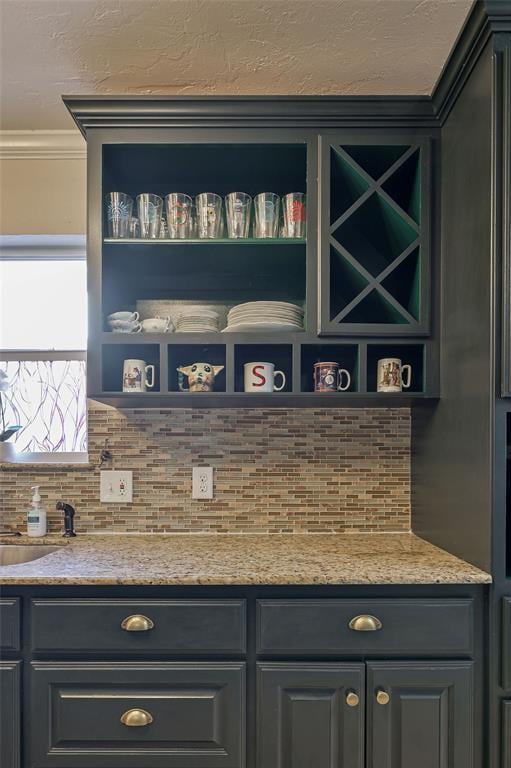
[375, 234]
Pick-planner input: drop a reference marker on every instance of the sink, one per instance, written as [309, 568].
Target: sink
[14, 554]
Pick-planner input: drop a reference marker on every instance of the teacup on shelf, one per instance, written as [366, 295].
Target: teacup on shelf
[122, 326]
[157, 325]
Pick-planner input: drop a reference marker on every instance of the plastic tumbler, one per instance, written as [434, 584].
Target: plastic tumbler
[266, 206]
[209, 215]
[119, 207]
[149, 215]
[294, 214]
[237, 208]
[179, 208]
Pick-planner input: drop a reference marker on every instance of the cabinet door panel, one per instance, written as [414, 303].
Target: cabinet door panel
[506, 734]
[10, 623]
[10, 714]
[304, 720]
[428, 721]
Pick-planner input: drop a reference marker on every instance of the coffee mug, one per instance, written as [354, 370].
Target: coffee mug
[328, 377]
[260, 377]
[390, 375]
[135, 376]
[156, 325]
[201, 377]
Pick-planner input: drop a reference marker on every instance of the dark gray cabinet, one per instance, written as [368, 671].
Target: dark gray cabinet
[420, 715]
[506, 734]
[138, 715]
[10, 742]
[10, 625]
[310, 715]
[374, 235]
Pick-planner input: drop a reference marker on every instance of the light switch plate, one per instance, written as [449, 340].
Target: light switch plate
[116, 486]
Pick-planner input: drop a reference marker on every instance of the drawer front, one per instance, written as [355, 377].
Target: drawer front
[506, 643]
[10, 624]
[421, 627]
[166, 627]
[137, 715]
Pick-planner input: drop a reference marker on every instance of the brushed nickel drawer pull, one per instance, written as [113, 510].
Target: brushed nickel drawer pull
[352, 699]
[136, 718]
[382, 697]
[137, 623]
[365, 623]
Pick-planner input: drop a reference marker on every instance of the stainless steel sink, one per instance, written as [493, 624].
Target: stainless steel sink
[14, 554]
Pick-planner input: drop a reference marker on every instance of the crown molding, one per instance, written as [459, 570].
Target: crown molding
[107, 112]
[42, 145]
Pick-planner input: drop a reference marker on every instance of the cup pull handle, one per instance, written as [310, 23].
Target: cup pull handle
[136, 718]
[365, 623]
[137, 623]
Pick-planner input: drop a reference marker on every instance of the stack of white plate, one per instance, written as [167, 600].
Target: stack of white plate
[265, 316]
[197, 319]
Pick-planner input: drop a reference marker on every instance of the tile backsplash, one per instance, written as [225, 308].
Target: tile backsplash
[276, 471]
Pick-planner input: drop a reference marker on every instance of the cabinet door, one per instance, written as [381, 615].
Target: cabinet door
[10, 714]
[375, 236]
[506, 734]
[420, 714]
[310, 715]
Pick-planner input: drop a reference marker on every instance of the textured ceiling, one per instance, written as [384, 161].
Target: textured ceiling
[51, 47]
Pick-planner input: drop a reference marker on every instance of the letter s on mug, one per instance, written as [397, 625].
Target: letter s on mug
[261, 377]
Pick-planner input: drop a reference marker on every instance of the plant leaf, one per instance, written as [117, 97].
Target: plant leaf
[9, 432]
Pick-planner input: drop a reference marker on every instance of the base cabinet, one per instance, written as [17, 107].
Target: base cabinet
[506, 734]
[420, 714]
[416, 714]
[10, 679]
[310, 715]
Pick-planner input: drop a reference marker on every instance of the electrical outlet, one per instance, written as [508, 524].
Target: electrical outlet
[202, 483]
[116, 486]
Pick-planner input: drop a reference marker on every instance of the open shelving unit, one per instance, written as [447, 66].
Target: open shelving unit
[375, 244]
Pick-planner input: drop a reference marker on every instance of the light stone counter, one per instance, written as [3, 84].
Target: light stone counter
[242, 559]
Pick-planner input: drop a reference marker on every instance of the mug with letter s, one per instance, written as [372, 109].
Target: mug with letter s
[137, 376]
[328, 378]
[260, 377]
[391, 375]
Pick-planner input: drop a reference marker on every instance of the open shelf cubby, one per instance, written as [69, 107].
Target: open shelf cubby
[189, 354]
[346, 355]
[113, 357]
[281, 355]
[409, 354]
[378, 257]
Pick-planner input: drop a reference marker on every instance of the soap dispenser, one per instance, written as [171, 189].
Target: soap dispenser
[36, 518]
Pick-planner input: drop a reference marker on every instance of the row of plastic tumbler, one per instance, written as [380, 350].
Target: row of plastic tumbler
[204, 217]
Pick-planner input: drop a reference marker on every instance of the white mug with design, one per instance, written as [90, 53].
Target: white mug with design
[391, 375]
[260, 377]
[135, 376]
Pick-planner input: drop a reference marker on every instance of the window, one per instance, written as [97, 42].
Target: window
[43, 332]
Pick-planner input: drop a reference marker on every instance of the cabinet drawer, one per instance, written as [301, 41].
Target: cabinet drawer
[137, 715]
[10, 625]
[172, 626]
[419, 626]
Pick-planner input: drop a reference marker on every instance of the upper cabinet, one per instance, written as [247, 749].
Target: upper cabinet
[375, 237]
[503, 196]
[256, 264]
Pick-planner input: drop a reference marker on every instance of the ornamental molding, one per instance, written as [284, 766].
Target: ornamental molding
[42, 145]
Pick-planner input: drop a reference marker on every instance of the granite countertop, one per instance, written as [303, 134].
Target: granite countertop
[242, 560]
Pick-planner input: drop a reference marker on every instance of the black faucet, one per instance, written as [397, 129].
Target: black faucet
[69, 514]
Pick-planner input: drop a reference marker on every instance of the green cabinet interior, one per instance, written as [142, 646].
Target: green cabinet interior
[370, 299]
[375, 246]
